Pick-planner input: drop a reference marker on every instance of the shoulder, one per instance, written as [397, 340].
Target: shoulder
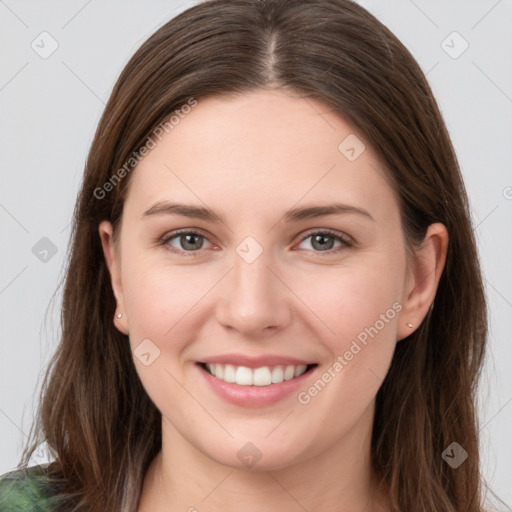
[26, 490]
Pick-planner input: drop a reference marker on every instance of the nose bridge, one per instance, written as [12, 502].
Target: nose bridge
[254, 298]
[252, 276]
[253, 282]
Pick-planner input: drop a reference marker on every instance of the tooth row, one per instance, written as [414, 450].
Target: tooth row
[263, 376]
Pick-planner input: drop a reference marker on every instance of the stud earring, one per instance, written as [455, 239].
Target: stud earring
[119, 315]
[409, 325]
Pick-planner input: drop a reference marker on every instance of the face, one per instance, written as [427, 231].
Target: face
[262, 280]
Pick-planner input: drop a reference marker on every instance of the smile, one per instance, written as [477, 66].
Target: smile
[262, 376]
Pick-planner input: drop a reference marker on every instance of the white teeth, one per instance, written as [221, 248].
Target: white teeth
[229, 373]
[243, 376]
[219, 371]
[263, 376]
[277, 375]
[289, 372]
[300, 369]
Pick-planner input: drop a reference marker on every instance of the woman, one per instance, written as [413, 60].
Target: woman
[270, 206]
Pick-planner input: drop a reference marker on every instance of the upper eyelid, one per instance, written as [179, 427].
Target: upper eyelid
[185, 231]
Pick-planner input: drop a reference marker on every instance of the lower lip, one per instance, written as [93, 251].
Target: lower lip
[254, 396]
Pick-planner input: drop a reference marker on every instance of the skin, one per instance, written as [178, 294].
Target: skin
[250, 158]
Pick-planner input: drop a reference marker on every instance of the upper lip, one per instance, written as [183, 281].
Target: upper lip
[254, 362]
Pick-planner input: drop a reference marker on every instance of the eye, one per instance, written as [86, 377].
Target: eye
[187, 241]
[323, 241]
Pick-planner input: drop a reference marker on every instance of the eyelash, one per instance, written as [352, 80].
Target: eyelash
[330, 233]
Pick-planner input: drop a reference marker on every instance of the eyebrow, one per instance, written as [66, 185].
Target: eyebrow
[293, 215]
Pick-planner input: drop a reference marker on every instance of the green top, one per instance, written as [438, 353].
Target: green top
[26, 490]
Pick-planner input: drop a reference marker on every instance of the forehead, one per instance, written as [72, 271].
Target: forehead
[260, 150]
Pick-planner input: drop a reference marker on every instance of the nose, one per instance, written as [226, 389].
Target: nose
[255, 300]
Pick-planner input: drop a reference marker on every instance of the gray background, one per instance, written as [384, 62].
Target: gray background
[49, 111]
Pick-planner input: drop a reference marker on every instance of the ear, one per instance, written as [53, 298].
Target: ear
[423, 277]
[113, 261]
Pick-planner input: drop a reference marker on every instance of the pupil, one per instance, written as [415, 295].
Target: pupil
[188, 243]
[323, 245]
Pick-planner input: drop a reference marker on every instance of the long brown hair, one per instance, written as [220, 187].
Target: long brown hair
[94, 412]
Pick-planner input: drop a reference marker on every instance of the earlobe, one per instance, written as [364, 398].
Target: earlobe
[113, 264]
[423, 279]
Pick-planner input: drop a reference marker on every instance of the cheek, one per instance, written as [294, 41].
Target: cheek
[158, 296]
[166, 304]
[362, 309]
[350, 301]
[161, 302]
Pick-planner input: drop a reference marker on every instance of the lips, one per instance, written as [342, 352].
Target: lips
[251, 387]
